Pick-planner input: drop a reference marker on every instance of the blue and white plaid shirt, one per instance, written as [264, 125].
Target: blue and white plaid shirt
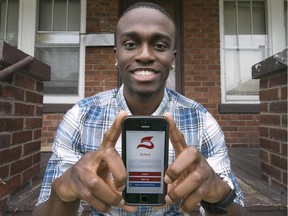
[83, 127]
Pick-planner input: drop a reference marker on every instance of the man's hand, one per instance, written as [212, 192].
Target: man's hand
[190, 177]
[90, 178]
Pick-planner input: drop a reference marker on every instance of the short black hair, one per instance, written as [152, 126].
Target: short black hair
[146, 5]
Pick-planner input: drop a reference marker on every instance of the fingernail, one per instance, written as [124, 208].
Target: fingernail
[122, 203]
[167, 179]
[121, 188]
[168, 199]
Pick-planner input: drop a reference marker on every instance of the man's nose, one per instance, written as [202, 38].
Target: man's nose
[145, 54]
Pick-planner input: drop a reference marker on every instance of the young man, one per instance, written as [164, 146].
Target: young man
[85, 150]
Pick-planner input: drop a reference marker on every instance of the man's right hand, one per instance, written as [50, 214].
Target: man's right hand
[98, 178]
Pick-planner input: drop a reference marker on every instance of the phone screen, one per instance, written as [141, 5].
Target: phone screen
[145, 161]
[145, 155]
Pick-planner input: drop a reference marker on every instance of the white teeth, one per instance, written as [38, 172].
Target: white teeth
[143, 73]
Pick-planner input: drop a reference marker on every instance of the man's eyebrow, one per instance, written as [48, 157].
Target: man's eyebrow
[155, 35]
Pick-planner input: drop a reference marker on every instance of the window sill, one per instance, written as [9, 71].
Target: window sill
[239, 108]
[56, 108]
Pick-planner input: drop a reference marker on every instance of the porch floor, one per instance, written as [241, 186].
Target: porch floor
[260, 199]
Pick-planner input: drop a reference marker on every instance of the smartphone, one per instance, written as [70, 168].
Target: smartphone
[145, 155]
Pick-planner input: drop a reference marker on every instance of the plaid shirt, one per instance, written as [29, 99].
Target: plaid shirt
[83, 127]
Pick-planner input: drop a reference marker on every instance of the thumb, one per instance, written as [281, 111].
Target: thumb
[112, 134]
[175, 135]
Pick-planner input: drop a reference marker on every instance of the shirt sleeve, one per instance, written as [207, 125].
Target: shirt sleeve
[63, 153]
[217, 153]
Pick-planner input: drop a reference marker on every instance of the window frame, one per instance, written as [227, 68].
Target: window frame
[276, 43]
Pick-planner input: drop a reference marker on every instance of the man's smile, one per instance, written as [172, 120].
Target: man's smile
[144, 73]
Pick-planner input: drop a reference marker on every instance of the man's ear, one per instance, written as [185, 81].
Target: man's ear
[175, 55]
[115, 54]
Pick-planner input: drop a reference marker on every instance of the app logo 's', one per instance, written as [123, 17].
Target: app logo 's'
[146, 143]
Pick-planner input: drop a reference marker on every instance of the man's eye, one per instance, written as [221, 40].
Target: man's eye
[130, 45]
[160, 46]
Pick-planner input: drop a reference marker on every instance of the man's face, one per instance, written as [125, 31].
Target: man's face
[145, 50]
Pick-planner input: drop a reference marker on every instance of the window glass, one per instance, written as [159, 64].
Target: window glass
[9, 21]
[58, 44]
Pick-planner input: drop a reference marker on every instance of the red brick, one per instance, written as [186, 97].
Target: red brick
[271, 170]
[12, 92]
[270, 119]
[283, 149]
[24, 81]
[5, 108]
[31, 123]
[21, 137]
[284, 120]
[264, 155]
[270, 144]
[278, 134]
[278, 161]
[11, 185]
[4, 171]
[11, 124]
[278, 107]
[9, 155]
[36, 158]
[37, 134]
[39, 111]
[264, 131]
[284, 92]
[5, 140]
[39, 86]
[264, 83]
[269, 94]
[21, 165]
[28, 148]
[34, 97]
[279, 80]
[30, 173]
[24, 109]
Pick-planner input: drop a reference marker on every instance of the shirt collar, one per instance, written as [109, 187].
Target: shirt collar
[159, 111]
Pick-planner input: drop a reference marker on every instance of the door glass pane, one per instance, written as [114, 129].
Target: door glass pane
[9, 21]
[60, 12]
[259, 26]
[230, 18]
[45, 15]
[74, 15]
[244, 18]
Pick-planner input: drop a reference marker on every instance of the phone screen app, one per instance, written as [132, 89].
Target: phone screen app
[145, 164]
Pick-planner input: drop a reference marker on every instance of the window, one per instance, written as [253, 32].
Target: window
[245, 41]
[9, 21]
[58, 44]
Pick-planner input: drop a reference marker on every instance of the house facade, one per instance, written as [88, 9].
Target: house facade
[218, 41]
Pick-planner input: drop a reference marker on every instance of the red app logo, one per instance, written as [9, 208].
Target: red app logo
[146, 143]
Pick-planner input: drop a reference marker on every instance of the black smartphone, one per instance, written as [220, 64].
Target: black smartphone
[145, 155]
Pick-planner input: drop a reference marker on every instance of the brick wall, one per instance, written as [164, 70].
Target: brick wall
[202, 81]
[273, 123]
[201, 65]
[21, 107]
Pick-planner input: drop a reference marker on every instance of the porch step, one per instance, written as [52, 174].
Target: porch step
[260, 199]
